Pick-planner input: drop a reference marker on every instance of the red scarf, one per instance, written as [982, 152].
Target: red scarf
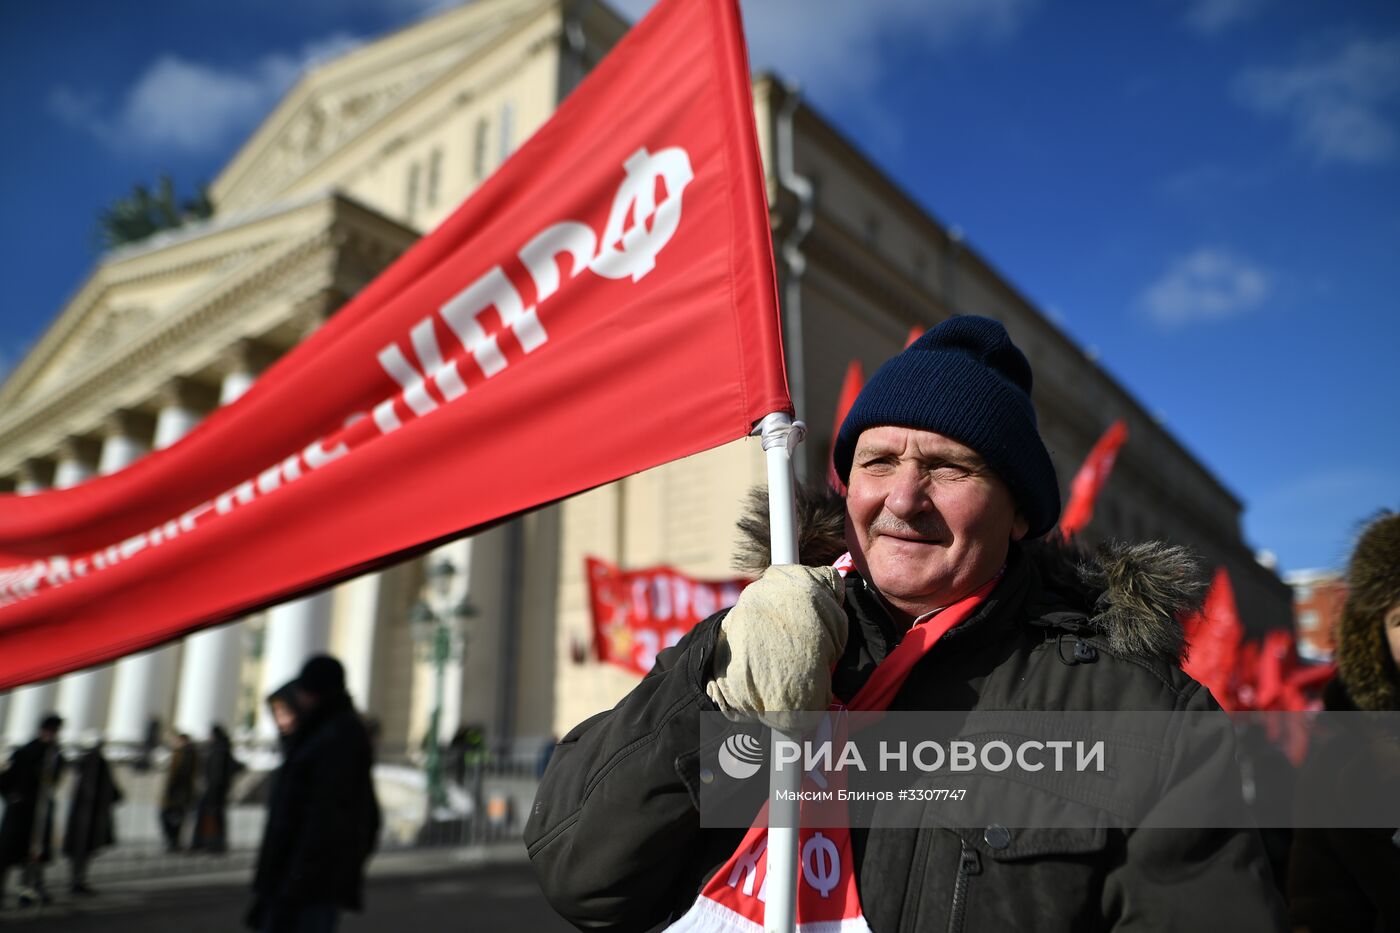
[827, 899]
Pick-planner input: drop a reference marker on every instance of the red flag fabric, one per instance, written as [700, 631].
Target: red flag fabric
[850, 388]
[1213, 637]
[605, 303]
[637, 613]
[1084, 491]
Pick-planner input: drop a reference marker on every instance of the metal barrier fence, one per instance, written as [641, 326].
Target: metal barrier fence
[486, 803]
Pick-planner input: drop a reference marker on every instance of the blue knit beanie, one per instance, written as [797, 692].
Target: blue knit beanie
[966, 380]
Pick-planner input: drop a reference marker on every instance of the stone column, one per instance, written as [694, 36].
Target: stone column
[124, 440]
[76, 457]
[302, 627]
[84, 698]
[213, 658]
[357, 639]
[78, 693]
[30, 477]
[145, 682]
[295, 631]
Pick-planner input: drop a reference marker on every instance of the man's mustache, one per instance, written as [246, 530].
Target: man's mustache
[890, 525]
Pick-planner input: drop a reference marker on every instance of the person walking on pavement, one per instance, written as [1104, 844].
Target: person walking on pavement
[26, 832]
[322, 819]
[178, 796]
[211, 817]
[90, 824]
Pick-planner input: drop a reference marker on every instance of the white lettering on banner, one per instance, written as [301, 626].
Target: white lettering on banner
[632, 253]
[661, 598]
[539, 256]
[705, 604]
[821, 864]
[625, 251]
[649, 644]
[746, 867]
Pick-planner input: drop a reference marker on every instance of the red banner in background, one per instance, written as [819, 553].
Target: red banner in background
[1090, 479]
[605, 303]
[1214, 635]
[636, 613]
[850, 391]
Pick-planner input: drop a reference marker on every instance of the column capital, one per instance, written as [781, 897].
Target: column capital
[245, 355]
[81, 449]
[36, 471]
[126, 422]
[183, 392]
[311, 313]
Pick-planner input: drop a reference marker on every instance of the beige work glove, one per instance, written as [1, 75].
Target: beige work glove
[777, 647]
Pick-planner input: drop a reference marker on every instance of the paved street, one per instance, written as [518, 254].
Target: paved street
[430, 892]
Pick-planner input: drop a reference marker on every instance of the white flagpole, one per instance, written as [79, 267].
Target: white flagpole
[781, 435]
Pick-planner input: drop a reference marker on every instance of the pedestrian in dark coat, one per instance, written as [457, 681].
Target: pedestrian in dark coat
[948, 480]
[1349, 879]
[90, 825]
[211, 816]
[178, 795]
[26, 832]
[323, 817]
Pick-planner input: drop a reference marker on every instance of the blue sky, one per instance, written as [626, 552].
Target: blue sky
[1206, 193]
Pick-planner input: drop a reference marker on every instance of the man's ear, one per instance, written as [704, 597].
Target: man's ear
[1019, 526]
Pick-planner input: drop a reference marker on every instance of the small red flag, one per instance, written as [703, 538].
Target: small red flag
[850, 388]
[1090, 479]
[1213, 636]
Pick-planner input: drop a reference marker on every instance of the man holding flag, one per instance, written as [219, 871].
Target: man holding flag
[945, 607]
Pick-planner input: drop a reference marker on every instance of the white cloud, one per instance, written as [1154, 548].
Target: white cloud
[188, 106]
[836, 48]
[1207, 284]
[1212, 17]
[1336, 104]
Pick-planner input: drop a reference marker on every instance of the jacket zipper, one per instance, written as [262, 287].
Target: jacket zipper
[969, 864]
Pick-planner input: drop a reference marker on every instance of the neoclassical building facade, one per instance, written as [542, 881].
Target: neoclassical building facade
[364, 155]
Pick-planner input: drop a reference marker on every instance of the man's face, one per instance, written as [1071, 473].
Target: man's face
[927, 521]
[284, 717]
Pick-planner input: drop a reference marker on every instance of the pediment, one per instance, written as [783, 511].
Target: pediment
[115, 311]
[136, 290]
[337, 103]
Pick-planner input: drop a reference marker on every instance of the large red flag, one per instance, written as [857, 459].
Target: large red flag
[850, 388]
[604, 304]
[1090, 479]
[1213, 638]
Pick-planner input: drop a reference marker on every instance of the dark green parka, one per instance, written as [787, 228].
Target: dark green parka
[614, 834]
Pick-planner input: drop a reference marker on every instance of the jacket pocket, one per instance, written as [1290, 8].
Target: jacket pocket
[1014, 878]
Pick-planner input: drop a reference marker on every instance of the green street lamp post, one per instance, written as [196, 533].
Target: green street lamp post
[435, 627]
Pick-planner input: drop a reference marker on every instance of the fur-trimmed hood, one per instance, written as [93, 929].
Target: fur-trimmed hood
[1132, 594]
[1373, 582]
